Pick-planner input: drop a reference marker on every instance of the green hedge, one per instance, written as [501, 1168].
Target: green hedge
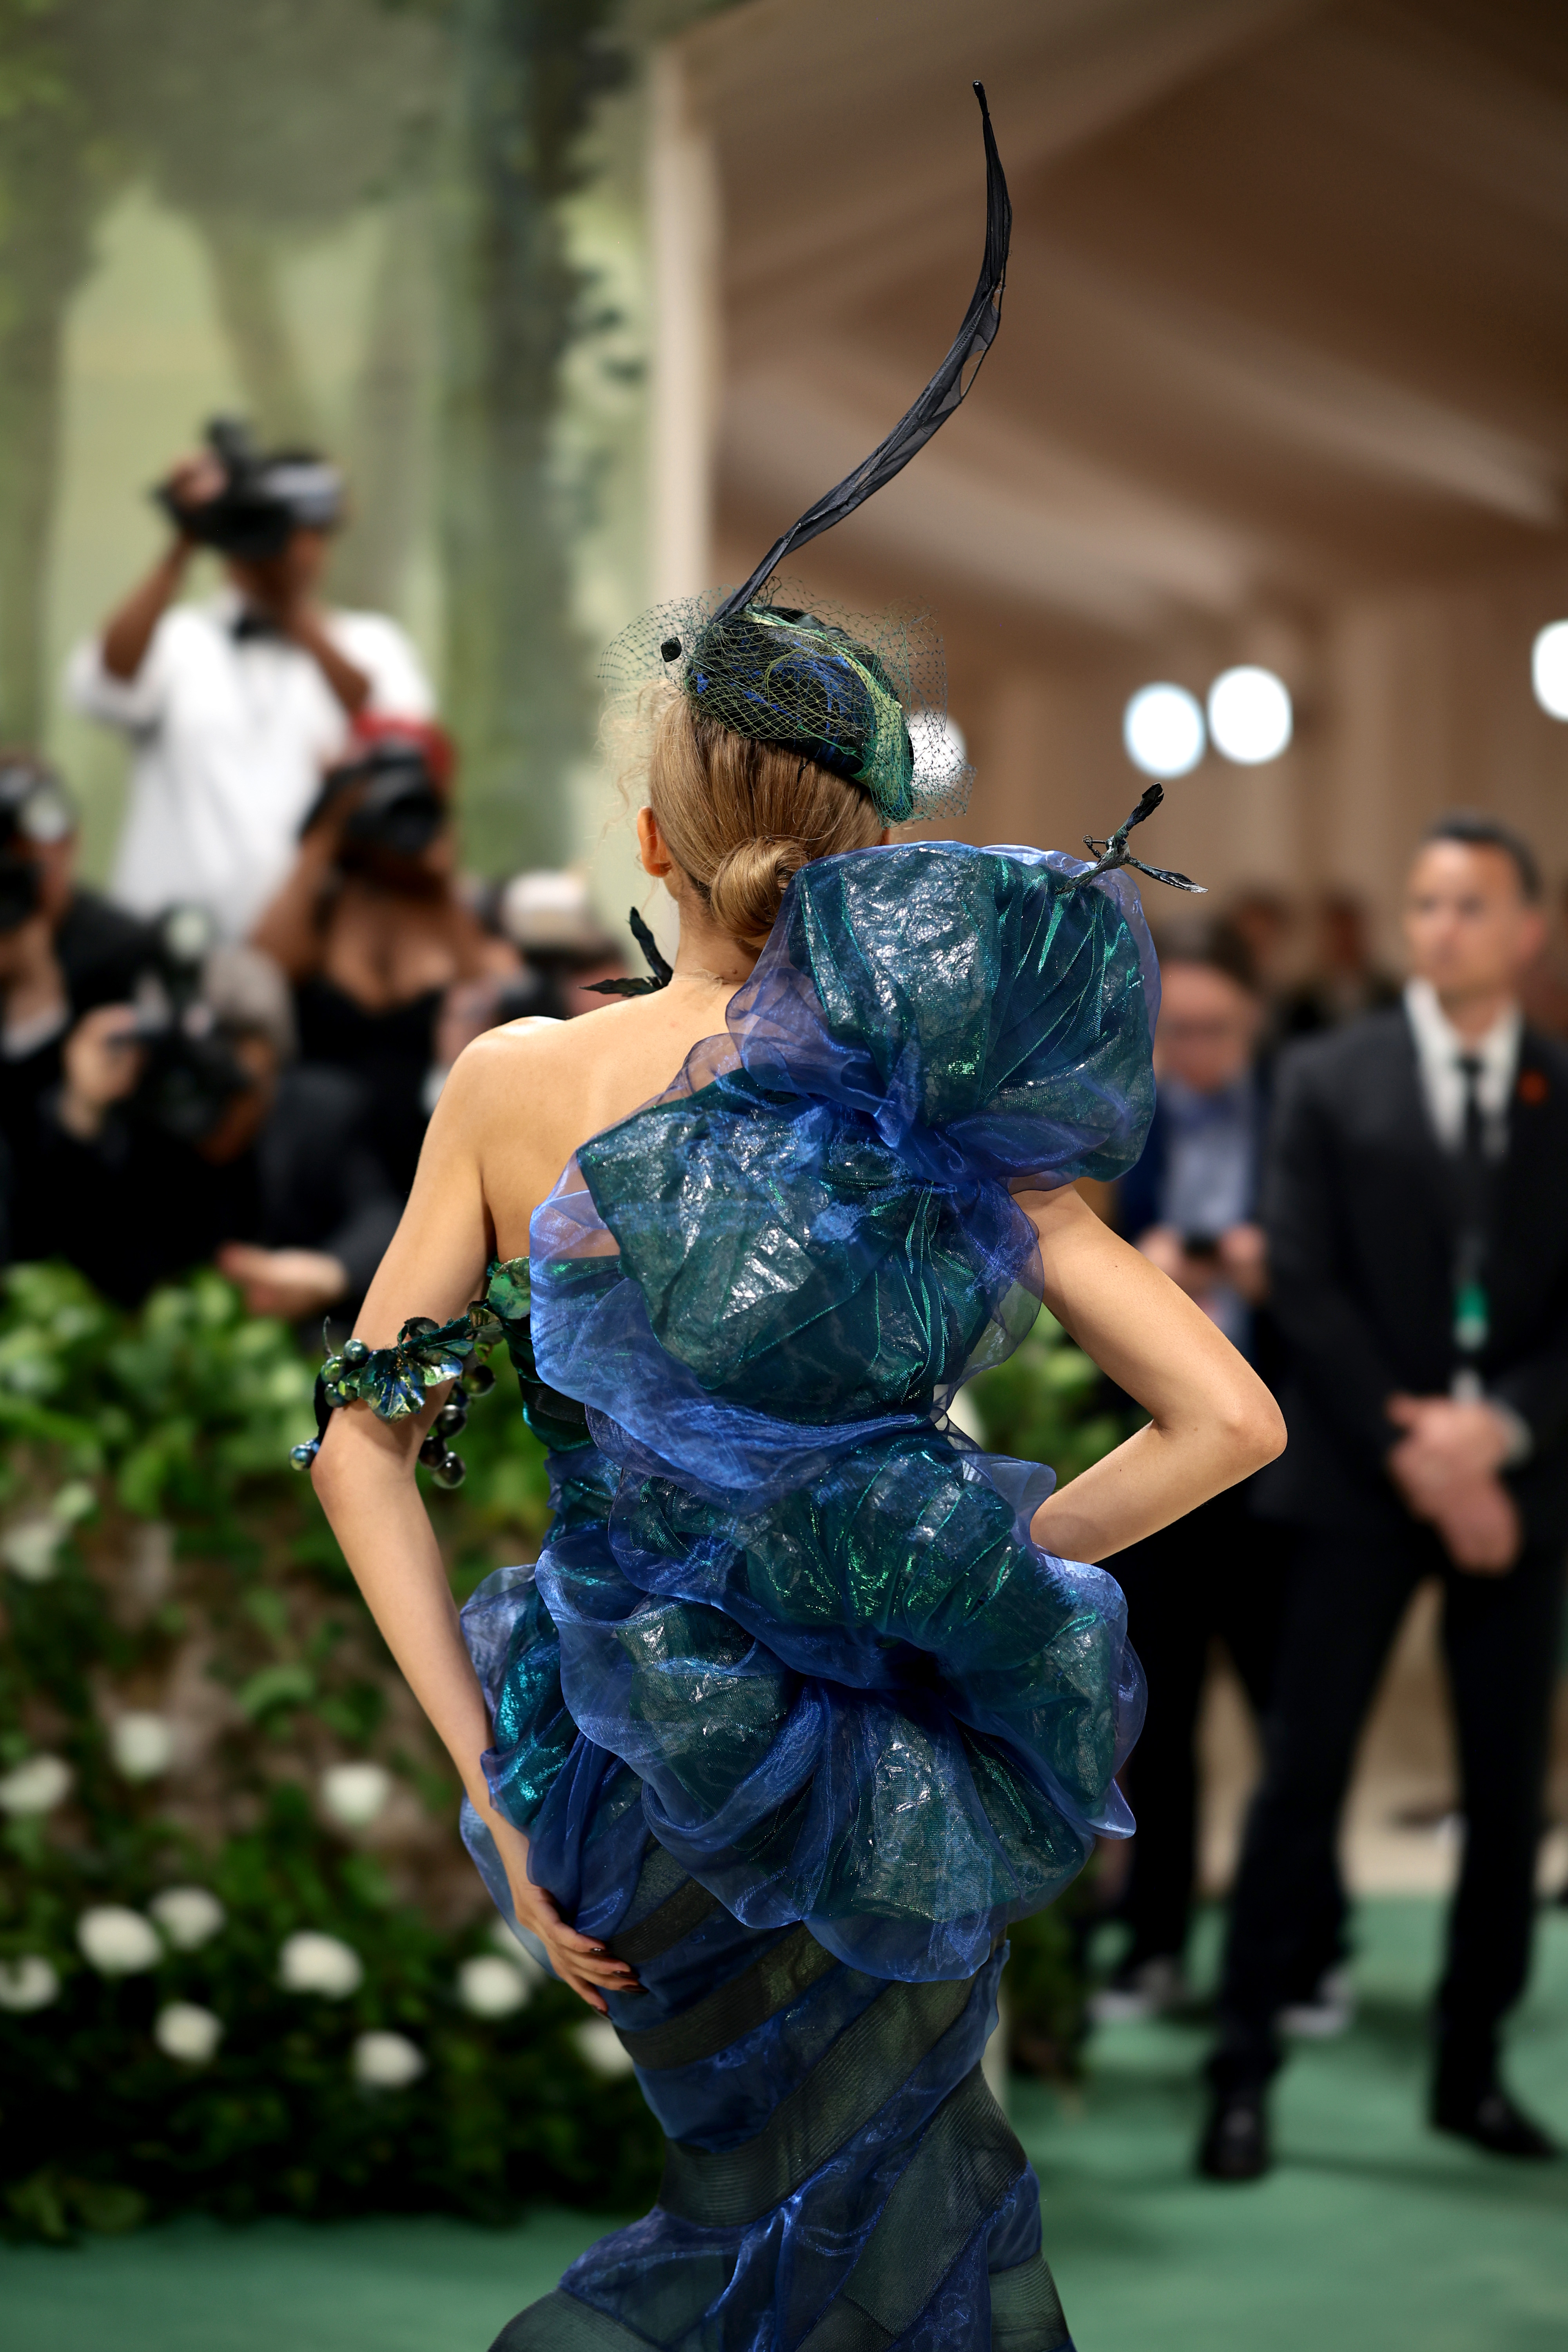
[1048, 1404]
[161, 1563]
[167, 1582]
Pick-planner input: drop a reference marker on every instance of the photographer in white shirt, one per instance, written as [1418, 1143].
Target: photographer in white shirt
[237, 705]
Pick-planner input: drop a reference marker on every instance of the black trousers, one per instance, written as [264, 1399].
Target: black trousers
[1499, 1636]
[1218, 1574]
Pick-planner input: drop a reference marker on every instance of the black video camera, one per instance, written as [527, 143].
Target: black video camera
[35, 810]
[265, 500]
[402, 809]
[192, 1073]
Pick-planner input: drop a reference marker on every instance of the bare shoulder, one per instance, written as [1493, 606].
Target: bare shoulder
[637, 1039]
[520, 1100]
[506, 1065]
[524, 1098]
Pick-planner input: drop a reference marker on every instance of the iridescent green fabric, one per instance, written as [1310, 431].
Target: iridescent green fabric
[788, 1605]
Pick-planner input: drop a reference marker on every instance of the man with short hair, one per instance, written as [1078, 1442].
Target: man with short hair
[237, 705]
[1191, 1205]
[1418, 1227]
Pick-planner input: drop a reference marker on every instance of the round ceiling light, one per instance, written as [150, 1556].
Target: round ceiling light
[1163, 728]
[1250, 717]
[941, 752]
[1549, 669]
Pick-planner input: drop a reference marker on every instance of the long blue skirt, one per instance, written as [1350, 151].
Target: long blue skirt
[838, 2177]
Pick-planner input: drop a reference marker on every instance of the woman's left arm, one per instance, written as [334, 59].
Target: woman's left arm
[1211, 1419]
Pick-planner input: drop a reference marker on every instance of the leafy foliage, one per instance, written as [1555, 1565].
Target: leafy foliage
[156, 1556]
[1048, 1403]
[159, 1557]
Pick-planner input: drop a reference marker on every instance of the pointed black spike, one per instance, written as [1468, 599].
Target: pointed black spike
[663, 972]
[1168, 875]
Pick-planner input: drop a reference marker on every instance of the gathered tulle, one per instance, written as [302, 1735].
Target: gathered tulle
[787, 1619]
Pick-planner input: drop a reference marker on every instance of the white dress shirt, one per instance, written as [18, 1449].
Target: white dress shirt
[231, 737]
[1438, 1049]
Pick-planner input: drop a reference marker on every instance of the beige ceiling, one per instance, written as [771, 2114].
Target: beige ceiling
[1285, 322]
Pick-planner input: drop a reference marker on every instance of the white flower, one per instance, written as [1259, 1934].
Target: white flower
[182, 2031]
[118, 1942]
[27, 1983]
[309, 1962]
[31, 1547]
[74, 1501]
[491, 1986]
[354, 1794]
[36, 1786]
[387, 2062]
[142, 1745]
[187, 1915]
[600, 2045]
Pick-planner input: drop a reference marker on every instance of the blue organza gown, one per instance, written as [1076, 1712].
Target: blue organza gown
[795, 1714]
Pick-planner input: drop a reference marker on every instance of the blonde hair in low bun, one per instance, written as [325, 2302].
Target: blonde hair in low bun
[740, 818]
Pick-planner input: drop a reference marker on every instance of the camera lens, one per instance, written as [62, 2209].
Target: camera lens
[19, 892]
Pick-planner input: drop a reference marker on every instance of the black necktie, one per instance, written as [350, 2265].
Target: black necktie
[251, 624]
[1471, 1314]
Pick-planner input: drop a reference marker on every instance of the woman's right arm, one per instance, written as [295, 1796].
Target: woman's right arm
[292, 927]
[1211, 1419]
[364, 1475]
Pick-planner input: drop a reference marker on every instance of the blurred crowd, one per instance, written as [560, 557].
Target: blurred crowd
[232, 1055]
[1359, 1180]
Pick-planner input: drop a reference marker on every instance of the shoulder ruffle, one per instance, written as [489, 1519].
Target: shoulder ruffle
[976, 1004]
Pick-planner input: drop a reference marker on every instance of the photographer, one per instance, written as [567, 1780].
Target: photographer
[235, 705]
[372, 931]
[63, 948]
[182, 1132]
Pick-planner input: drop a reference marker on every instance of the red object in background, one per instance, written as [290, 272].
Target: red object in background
[1532, 1087]
[435, 745]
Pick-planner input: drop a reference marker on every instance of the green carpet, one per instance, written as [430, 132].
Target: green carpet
[1372, 2235]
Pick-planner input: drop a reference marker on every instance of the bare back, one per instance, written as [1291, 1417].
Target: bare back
[519, 1101]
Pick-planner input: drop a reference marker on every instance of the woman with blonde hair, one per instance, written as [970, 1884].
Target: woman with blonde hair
[805, 1697]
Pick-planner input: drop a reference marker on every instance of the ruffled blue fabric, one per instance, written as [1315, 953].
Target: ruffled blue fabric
[767, 2283]
[786, 1619]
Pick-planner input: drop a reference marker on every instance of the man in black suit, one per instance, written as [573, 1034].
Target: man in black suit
[1416, 1215]
[1191, 1205]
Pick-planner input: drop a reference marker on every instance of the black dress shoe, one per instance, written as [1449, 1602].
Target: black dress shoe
[1489, 2117]
[1235, 2145]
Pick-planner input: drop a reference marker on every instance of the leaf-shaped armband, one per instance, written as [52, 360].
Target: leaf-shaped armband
[395, 1382]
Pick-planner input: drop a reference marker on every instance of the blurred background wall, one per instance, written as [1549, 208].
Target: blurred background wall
[1281, 381]
[593, 298]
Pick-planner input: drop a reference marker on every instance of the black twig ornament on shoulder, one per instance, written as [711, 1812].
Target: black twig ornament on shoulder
[1109, 855]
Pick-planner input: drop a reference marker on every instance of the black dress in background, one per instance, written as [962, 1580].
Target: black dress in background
[390, 1053]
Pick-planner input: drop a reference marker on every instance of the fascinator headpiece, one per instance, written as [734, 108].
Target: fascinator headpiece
[864, 698]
